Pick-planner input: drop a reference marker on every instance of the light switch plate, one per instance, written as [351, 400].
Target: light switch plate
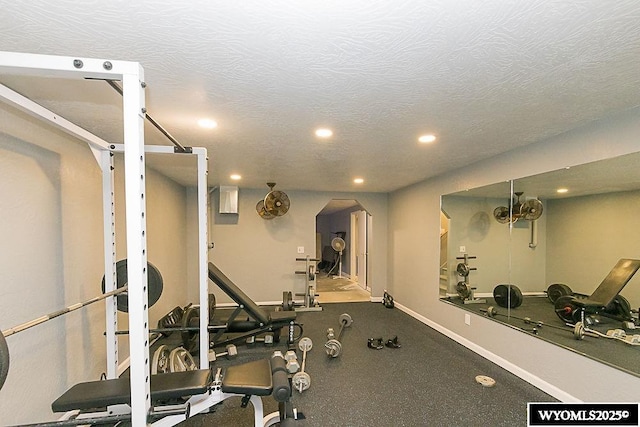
[300, 249]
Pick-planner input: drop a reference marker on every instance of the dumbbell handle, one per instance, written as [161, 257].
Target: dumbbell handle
[304, 360]
[343, 323]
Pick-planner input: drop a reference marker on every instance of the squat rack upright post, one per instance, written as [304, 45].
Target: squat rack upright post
[132, 76]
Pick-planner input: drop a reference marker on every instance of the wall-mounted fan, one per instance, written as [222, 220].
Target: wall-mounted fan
[338, 244]
[501, 214]
[275, 203]
[529, 210]
[262, 211]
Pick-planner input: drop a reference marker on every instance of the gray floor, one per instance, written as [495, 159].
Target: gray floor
[429, 381]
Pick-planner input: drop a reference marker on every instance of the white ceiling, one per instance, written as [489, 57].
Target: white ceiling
[484, 76]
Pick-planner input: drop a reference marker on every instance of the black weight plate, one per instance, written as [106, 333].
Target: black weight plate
[620, 308]
[190, 338]
[462, 269]
[287, 301]
[463, 290]
[507, 296]
[154, 285]
[557, 290]
[566, 309]
[4, 359]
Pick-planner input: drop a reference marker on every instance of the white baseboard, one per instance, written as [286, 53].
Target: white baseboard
[527, 376]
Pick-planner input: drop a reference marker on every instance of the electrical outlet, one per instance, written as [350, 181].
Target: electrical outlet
[467, 319]
[463, 249]
[300, 249]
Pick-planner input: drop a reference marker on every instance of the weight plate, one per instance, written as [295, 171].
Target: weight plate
[508, 296]
[463, 290]
[620, 308]
[485, 381]
[462, 269]
[301, 381]
[212, 307]
[4, 359]
[566, 309]
[180, 360]
[154, 285]
[578, 331]
[305, 344]
[190, 338]
[344, 317]
[333, 348]
[287, 301]
[160, 362]
[557, 290]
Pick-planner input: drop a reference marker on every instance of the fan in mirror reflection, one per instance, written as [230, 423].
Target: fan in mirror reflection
[530, 210]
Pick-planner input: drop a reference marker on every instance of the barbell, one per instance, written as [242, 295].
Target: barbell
[333, 346]
[579, 331]
[154, 288]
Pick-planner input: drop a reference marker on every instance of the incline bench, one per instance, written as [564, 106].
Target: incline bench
[250, 380]
[262, 321]
[573, 309]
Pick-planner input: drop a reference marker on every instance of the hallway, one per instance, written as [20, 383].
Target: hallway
[333, 289]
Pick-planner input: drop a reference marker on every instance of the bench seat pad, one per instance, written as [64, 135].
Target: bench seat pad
[252, 378]
[100, 394]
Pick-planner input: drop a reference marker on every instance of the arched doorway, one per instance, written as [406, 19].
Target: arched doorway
[343, 270]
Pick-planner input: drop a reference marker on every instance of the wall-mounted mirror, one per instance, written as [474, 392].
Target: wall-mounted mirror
[589, 219]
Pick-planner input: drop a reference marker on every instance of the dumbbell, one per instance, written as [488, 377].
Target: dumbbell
[267, 340]
[333, 346]
[232, 352]
[301, 380]
[292, 361]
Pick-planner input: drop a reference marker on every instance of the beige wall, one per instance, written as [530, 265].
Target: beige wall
[414, 222]
[586, 237]
[52, 256]
[259, 255]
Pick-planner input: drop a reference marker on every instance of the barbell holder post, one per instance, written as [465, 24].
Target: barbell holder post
[210, 328]
[47, 317]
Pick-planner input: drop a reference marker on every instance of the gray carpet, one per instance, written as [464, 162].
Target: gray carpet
[429, 381]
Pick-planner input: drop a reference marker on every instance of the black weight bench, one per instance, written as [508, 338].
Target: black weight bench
[247, 380]
[262, 322]
[573, 309]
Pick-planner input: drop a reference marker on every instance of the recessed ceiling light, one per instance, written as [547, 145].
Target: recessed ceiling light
[235, 177]
[324, 133]
[426, 139]
[358, 180]
[562, 190]
[207, 123]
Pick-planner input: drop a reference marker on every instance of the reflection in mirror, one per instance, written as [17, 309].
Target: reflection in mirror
[577, 292]
[475, 246]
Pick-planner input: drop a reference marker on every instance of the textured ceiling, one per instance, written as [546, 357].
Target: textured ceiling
[484, 76]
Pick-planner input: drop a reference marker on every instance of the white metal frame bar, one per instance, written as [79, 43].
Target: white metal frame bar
[203, 238]
[132, 76]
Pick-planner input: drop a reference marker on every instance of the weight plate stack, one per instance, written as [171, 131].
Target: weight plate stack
[557, 290]
[507, 296]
